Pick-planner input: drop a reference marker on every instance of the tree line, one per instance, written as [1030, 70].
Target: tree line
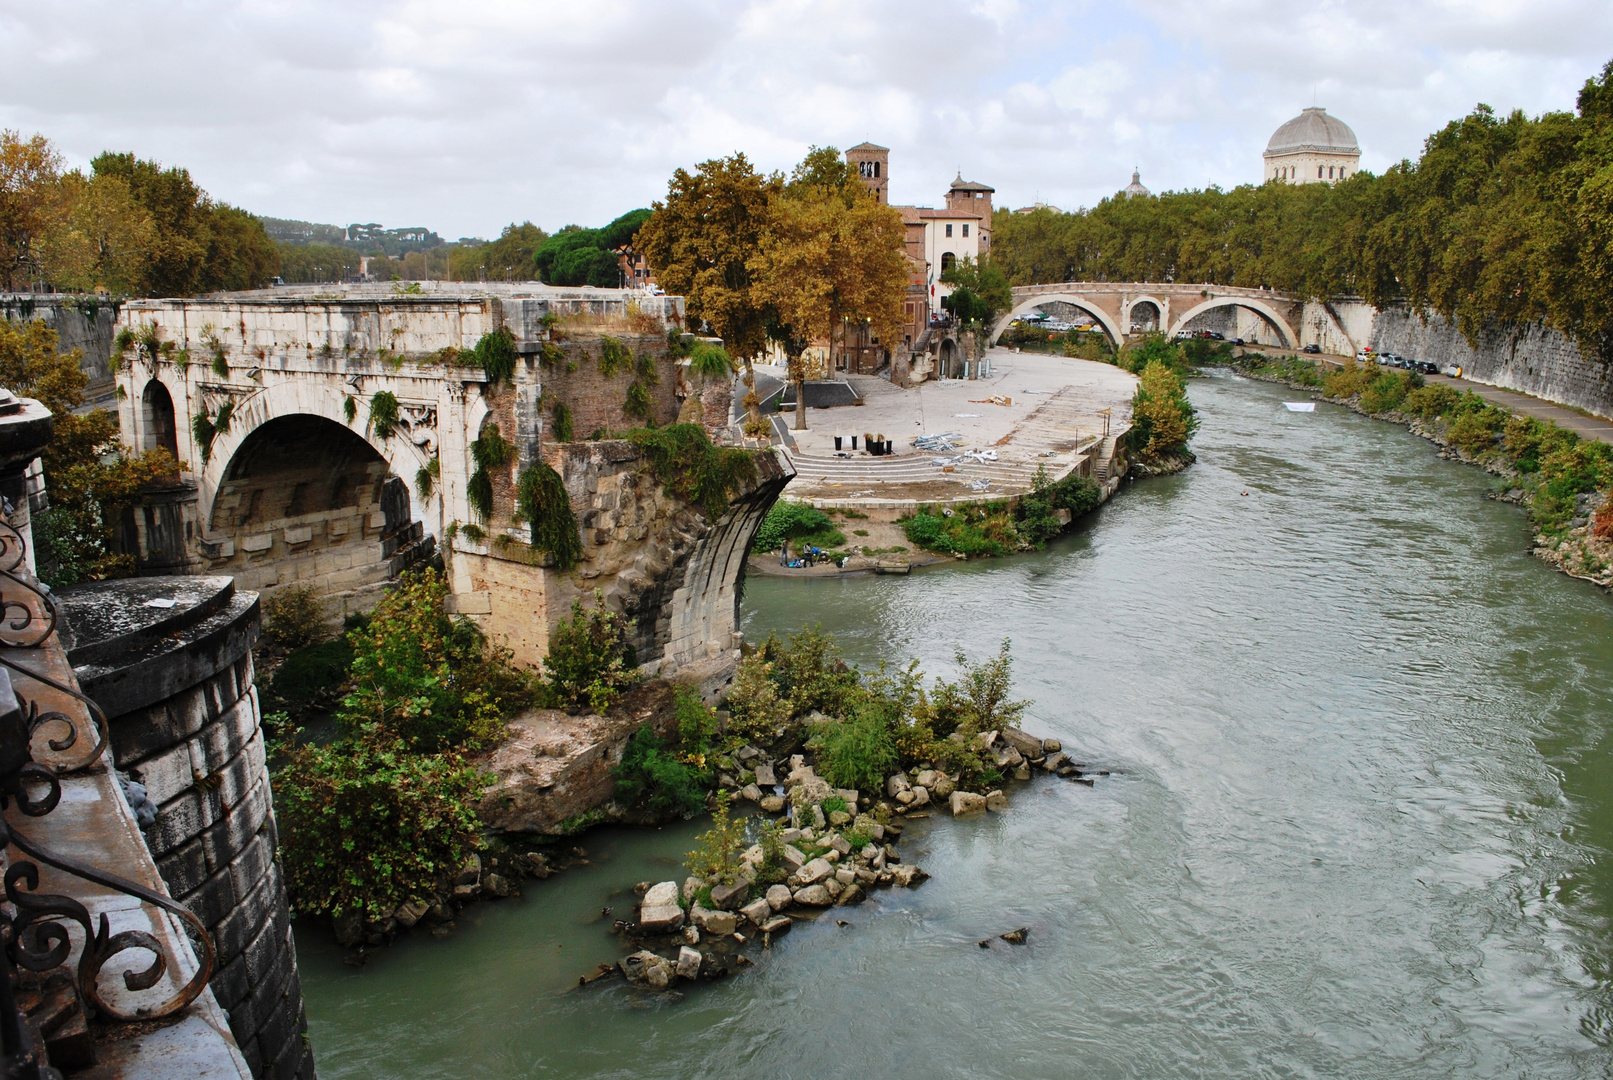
[128, 226]
[1502, 219]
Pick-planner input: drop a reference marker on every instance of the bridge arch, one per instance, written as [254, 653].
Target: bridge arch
[1259, 307]
[283, 400]
[159, 429]
[1128, 314]
[1116, 338]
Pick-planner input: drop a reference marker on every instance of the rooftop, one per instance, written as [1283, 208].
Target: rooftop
[1316, 131]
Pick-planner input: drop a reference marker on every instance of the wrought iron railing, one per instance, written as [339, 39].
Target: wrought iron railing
[35, 940]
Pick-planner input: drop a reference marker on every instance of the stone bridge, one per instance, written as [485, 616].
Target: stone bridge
[328, 437]
[1127, 308]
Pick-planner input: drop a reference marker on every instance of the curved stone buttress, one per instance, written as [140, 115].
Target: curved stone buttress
[169, 659]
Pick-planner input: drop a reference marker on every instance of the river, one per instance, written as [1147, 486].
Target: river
[1357, 825]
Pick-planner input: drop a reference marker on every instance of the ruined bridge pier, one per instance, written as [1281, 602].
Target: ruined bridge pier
[328, 440]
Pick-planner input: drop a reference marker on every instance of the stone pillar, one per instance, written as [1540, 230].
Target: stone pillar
[25, 427]
[169, 659]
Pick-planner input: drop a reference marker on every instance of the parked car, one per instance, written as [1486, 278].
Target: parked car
[1313, 349]
[1185, 335]
[1453, 370]
[1237, 341]
[1365, 356]
[1427, 367]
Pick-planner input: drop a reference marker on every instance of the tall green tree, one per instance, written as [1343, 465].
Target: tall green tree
[702, 240]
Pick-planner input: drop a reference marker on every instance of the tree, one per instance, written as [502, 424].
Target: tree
[509, 258]
[830, 254]
[100, 239]
[89, 478]
[29, 173]
[702, 241]
[979, 291]
[1162, 419]
[578, 256]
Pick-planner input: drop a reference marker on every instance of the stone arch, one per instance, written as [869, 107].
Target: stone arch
[403, 457]
[1154, 314]
[1259, 307]
[159, 430]
[948, 360]
[1116, 338]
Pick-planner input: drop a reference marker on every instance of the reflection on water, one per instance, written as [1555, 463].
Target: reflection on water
[1356, 824]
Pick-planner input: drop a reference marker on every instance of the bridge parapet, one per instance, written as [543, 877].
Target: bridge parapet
[1129, 307]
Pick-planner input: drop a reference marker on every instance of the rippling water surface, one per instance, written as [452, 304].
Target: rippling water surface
[1357, 824]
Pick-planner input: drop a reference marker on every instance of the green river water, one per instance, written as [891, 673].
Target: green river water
[1358, 822]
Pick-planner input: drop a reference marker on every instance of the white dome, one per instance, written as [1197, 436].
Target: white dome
[1135, 189]
[1316, 131]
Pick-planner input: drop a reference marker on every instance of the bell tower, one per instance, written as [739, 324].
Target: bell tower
[873, 166]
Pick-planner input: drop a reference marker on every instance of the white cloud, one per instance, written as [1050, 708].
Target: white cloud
[464, 117]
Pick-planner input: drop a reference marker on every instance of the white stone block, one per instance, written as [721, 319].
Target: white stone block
[300, 535]
[261, 542]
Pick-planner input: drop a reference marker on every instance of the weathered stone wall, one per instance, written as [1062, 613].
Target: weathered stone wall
[80, 322]
[1528, 358]
[177, 683]
[652, 556]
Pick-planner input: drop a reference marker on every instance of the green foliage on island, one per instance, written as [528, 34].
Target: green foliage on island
[803, 524]
[579, 256]
[655, 775]
[1501, 220]
[1162, 419]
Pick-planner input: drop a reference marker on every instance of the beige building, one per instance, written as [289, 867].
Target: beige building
[1312, 148]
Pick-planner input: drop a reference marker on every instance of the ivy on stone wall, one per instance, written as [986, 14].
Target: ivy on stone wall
[562, 422]
[204, 429]
[690, 467]
[495, 352]
[489, 451]
[613, 356]
[639, 403]
[425, 479]
[384, 414]
[542, 502]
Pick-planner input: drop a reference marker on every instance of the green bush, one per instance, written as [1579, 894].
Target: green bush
[590, 661]
[697, 721]
[972, 532]
[541, 501]
[426, 679]
[1349, 380]
[495, 352]
[686, 462]
[1473, 433]
[310, 674]
[1431, 401]
[1038, 508]
[1389, 391]
[294, 616]
[857, 752]
[797, 522]
[366, 824]
[649, 773]
[1162, 419]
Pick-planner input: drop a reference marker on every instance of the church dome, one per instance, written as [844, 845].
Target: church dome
[1135, 189]
[1315, 131]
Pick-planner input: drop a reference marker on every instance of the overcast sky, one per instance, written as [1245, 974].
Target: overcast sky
[465, 116]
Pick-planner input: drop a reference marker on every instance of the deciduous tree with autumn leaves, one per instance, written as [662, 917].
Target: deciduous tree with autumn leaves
[765, 258]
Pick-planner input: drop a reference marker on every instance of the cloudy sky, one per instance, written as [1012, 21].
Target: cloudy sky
[464, 116]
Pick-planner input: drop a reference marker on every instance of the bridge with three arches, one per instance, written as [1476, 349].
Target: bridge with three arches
[1126, 309]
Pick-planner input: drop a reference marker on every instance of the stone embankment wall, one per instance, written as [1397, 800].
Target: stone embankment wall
[177, 682]
[1528, 358]
[80, 322]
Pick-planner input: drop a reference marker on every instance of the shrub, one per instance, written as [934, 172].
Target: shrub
[562, 422]
[590, 661]
[1037, 513]
[973, 532]
[753, 700]
[638, 403]
[1602, 523]
[856, 752]
[367, 825]
[1431, 401]
[490, 451]
[613, 356]
[796, 521]
[294, 616]
[979, 700]
[1349, 380]
[426, 679]
[311, 674]
[1387, 392]
[1473, 433]
[697, 721]
[810, 672]
[710, 361]
[683, 458]
[1162, 419]
[649, 773]
[716, 860]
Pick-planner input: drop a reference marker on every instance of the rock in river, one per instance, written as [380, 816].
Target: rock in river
[688, 962]
[778, 897]
[648, 968]
[967, 802]
[814, 896]
[660, 913]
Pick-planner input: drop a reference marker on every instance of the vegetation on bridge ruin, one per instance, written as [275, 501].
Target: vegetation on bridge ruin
[1505, 219]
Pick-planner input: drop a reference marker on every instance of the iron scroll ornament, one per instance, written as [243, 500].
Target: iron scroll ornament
[21, 614]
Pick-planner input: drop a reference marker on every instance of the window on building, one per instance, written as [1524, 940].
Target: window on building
[876, 170]
[1318, 172]
[949, 228]
[948, 260]
[966, 232]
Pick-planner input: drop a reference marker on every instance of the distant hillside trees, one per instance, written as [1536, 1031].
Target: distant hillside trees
[509, 258]
[130, 227]
[1504, 219]
[578, 256]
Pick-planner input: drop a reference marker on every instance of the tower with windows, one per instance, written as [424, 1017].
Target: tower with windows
[873, 166]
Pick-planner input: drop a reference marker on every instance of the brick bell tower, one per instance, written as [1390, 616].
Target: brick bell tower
[873, 165]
